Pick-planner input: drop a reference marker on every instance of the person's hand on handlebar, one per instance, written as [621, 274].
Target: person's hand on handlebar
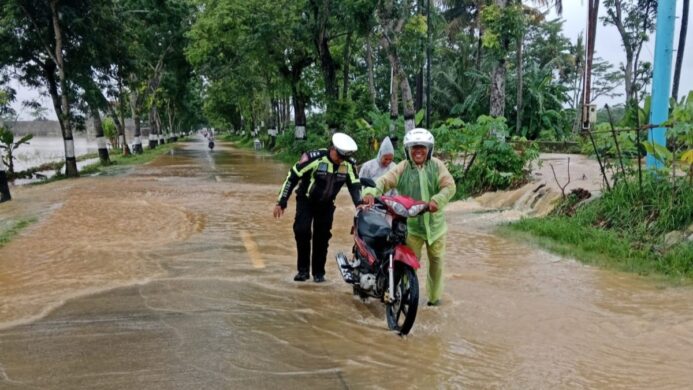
[432, 206]
[368, 200]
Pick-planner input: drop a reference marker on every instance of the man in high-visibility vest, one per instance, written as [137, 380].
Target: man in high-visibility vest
[319, 174]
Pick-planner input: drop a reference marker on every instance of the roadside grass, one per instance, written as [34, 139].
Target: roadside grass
[245, 142]
[12, 229]
[623, 230]
[602, 248]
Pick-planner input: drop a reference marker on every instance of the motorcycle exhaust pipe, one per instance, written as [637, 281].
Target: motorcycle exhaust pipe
[344, 268]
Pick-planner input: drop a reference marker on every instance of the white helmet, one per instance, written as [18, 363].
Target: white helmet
[345, 145]
[421, 137]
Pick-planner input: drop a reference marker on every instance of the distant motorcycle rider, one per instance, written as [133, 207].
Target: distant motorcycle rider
[319, 174]
[426, 178]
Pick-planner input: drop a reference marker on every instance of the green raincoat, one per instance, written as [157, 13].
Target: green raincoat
[432, 181]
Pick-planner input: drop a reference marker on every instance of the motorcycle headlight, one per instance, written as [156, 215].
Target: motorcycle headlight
[398, 208]
[418, 209]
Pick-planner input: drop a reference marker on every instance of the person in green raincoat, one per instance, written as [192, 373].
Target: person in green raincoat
[422, 177]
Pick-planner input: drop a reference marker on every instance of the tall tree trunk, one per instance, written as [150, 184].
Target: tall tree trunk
[391, 29]
[419, 91]
[299, 100]
[156, 124]
[153, 130]
[134, 108]
[394, 100]
[369, 65]
[170, 115]
[407, 102]
[100, 139]
[498, 89]
[520, 85]
[419, 79]
[479, 42]
[4, 185]
[70, 159]
[121, 108]
[498, 75]
[679, 53]
[286, 115]
[345, 66]
[321, 13]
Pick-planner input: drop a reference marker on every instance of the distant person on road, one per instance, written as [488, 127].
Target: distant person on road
[378, 166]
[319, 174]
[426, 178]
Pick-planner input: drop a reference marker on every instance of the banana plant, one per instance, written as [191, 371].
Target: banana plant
[8, 144]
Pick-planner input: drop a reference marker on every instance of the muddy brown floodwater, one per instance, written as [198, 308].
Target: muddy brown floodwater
[174, 275]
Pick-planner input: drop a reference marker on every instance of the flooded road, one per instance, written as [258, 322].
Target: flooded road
[175, 276]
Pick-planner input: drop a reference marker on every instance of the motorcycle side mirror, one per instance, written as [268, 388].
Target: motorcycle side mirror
[367, 182]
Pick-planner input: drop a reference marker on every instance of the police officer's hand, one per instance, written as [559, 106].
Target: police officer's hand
[368, 200]
[278, 211]
[432, 206]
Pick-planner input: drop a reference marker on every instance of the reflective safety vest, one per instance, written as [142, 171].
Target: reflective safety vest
[319, 179]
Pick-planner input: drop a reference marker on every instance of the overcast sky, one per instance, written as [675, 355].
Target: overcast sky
[608, 47]
[608, 44]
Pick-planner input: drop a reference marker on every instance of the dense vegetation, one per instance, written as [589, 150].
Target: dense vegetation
[644, 220]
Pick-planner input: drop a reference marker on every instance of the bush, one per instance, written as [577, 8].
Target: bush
[480, 148]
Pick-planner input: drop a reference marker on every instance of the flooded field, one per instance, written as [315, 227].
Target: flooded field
[44, 149]
[176, 276]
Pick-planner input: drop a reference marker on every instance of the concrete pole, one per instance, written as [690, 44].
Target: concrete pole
[429, 44]
[661, 78]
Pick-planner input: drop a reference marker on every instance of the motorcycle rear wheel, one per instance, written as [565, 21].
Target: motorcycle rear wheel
[402, 312]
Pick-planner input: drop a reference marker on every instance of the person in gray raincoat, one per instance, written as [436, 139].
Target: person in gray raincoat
[381, 164]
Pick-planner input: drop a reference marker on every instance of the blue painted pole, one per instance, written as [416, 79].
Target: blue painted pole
[661, 78]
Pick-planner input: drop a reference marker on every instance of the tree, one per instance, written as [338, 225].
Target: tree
[9, 145]
[392, 18]
[46, 43]
[502, 23]
[634, 22]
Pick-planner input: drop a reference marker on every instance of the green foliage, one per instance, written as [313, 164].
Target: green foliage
[604, 139]
[606, 248]
[479, 158]
[9, 145]
[629, 228]
[501, 23]
[110, 131]
[681, 131]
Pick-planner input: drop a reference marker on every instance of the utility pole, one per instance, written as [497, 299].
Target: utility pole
[587, 108]
[661, 77]
[428, 65]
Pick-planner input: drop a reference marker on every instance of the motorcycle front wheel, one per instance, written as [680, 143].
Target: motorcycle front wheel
[401, 313]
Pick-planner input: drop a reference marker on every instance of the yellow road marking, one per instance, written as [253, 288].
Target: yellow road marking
[252, 249]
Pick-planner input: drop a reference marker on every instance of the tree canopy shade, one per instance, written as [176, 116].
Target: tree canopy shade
[245, 64]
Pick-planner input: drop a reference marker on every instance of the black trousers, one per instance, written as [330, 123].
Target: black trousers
[317, 216]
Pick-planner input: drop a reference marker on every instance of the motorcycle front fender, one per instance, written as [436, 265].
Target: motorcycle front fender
[404, 254]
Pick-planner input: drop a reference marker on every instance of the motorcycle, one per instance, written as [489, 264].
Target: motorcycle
[211, 144]
[382, 265]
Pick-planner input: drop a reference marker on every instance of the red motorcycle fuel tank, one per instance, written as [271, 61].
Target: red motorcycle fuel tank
[406, 255]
